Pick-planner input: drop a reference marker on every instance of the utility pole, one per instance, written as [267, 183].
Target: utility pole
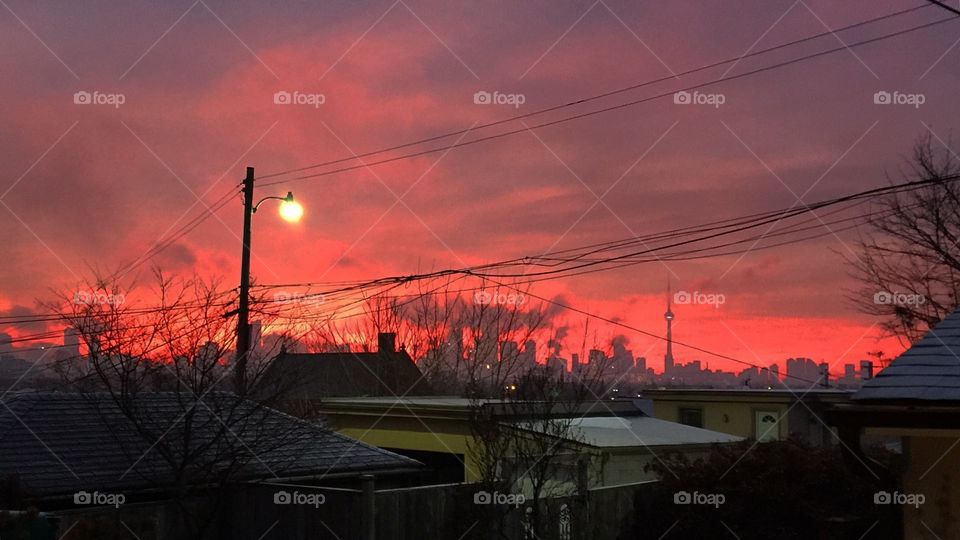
[243, 312]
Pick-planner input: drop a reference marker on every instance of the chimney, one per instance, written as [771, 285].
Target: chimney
[387, 342]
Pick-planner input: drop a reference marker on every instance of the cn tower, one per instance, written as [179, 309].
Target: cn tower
[668, 358]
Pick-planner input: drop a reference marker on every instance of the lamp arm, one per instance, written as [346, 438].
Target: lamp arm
[254, 209]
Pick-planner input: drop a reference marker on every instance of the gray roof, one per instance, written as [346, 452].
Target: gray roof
[929, 370]
[644, 431]
[55, 444]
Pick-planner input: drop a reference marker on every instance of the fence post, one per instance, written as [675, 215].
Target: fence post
[580, 518]
[368, 507]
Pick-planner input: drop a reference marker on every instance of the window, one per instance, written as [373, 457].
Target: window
[691, 416]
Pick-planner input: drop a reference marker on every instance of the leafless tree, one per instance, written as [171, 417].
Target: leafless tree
[909, 261]
[525, 436]
[167, 369]
[479, 342]
[457, 340]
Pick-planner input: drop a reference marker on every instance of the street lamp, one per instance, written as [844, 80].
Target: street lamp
[291, 211]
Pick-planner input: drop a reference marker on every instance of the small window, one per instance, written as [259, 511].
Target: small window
[691, 417]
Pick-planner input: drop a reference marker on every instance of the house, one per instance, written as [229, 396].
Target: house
[316, 376]
[915, 400]
[763, 415]
[73, 454]
[626, 443]
[439, 432]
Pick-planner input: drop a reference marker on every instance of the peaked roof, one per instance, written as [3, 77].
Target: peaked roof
[55, 444]
[349, 374]
[929, 370]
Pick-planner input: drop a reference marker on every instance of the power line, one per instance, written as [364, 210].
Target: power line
[951, 9]
[612, 107]
[669, 257]
[57, 316]
[596, 96]
[172, 238]
[726, 227]
[581, 259]
[190, 226]
[580, 311]
[646, 333]
[630, 259]
[397, 281]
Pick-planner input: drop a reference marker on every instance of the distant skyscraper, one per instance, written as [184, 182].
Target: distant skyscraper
[824, 374]
[802, 372]
[509, 353]
[849, 372]
[71, 342]
[557, 365]
[866, 370]
[208, 353]
[528, 357]
[668, 358]
[5, 343]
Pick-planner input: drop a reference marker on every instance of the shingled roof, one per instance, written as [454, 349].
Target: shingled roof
[927, 371]
[386, 372]
[55, 444]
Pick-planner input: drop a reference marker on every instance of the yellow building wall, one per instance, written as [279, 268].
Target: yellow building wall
[933, 470]
[733, 417]
[429, 435]
[628, 468]
[454, 437]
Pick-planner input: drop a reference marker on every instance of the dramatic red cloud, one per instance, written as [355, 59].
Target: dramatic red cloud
[95, 186]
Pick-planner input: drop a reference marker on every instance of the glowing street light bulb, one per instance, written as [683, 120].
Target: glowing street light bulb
[290, 210]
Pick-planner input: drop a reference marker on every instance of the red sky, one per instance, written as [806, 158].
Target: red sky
[93, 186]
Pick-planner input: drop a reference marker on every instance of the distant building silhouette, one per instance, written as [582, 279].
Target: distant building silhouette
[801, 372]
[71, 342]
[668, 357]
[866, 370]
